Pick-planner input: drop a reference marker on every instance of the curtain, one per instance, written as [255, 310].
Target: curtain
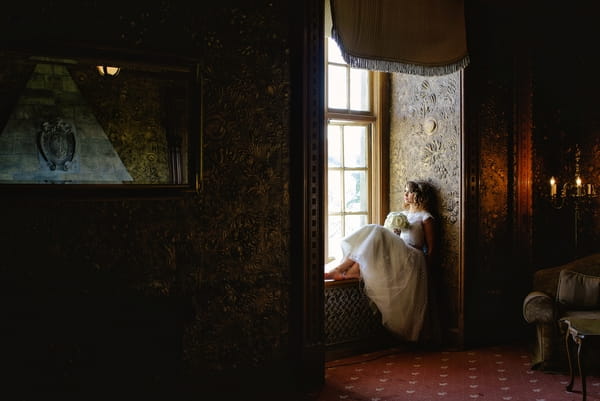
[424, 37]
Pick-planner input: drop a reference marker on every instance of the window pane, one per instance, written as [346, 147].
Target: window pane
[359, 89]
[339, 230]
[348, 144]
[355, 146]
[335, 235]
[334, 145]
[337, 92]
[355, 191]
[334, 191]
[334, 55]
[354, 222]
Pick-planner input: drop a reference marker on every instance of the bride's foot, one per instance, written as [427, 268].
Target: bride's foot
[349, 272]
[335, 274]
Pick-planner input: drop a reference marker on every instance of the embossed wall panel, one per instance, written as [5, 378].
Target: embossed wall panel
[494, 185]
[425, 144]
[497, 120]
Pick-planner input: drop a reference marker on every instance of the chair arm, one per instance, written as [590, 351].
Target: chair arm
[539, 307]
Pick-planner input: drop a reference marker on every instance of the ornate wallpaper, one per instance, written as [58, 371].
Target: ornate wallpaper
[242, 278]
[221, 257]
[425, 144]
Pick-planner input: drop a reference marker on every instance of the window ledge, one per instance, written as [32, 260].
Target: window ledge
[342, 283]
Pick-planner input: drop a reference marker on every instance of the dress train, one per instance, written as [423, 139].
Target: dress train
[395, 277]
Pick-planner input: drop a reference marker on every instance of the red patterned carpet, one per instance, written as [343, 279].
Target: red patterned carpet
[496, 373]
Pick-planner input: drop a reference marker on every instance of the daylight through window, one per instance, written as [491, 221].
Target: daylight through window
[351, 149]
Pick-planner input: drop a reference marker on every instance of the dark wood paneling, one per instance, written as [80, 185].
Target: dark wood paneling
[498, 157]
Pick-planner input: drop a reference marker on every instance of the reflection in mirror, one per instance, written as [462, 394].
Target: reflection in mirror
[70, 121]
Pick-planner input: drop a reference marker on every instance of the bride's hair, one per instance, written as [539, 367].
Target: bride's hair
[423, 193]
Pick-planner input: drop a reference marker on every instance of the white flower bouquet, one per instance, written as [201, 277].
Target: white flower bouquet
[396, 221]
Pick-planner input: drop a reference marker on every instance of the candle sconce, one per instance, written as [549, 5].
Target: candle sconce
[574, 193]
[571, 193]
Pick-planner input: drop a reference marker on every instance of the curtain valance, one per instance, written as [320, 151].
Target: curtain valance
[424, 37]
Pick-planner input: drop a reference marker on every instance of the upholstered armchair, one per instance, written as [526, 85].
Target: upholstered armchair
[572, 289]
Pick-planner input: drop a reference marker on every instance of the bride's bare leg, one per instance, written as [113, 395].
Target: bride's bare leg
[340, 271]
[353, 271]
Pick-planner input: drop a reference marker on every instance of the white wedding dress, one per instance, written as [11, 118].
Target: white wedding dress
[394, 272]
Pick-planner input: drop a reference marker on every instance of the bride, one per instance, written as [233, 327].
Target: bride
[393, 260]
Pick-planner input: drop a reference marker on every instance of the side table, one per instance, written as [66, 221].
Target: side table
[579, 330]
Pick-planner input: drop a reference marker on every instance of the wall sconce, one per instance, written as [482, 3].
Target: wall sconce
[572, 191]
[108, 71]
[575, 193]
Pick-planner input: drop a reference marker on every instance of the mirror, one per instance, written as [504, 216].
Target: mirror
[111, 122]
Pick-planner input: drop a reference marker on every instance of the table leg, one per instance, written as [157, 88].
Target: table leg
[580, 367]
[570, 385]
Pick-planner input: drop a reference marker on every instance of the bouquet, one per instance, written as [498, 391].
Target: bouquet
[396, 221]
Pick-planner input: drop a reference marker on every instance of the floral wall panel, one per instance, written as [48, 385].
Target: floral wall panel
[425, 144]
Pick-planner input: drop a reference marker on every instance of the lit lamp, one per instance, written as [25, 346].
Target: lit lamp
[108, 71]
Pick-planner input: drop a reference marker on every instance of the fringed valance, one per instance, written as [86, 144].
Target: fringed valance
[423, 37]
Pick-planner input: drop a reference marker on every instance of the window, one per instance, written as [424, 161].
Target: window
[354, 132]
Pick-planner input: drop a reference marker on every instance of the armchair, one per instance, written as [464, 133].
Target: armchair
[572, 289]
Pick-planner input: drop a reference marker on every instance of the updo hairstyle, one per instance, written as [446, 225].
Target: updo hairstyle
[422, 191]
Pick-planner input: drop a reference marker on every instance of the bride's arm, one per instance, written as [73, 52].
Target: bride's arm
[430, 240]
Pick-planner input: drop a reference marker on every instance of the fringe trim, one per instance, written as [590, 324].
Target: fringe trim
[397, 66]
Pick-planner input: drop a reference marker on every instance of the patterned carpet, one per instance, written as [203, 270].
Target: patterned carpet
[496, 373]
